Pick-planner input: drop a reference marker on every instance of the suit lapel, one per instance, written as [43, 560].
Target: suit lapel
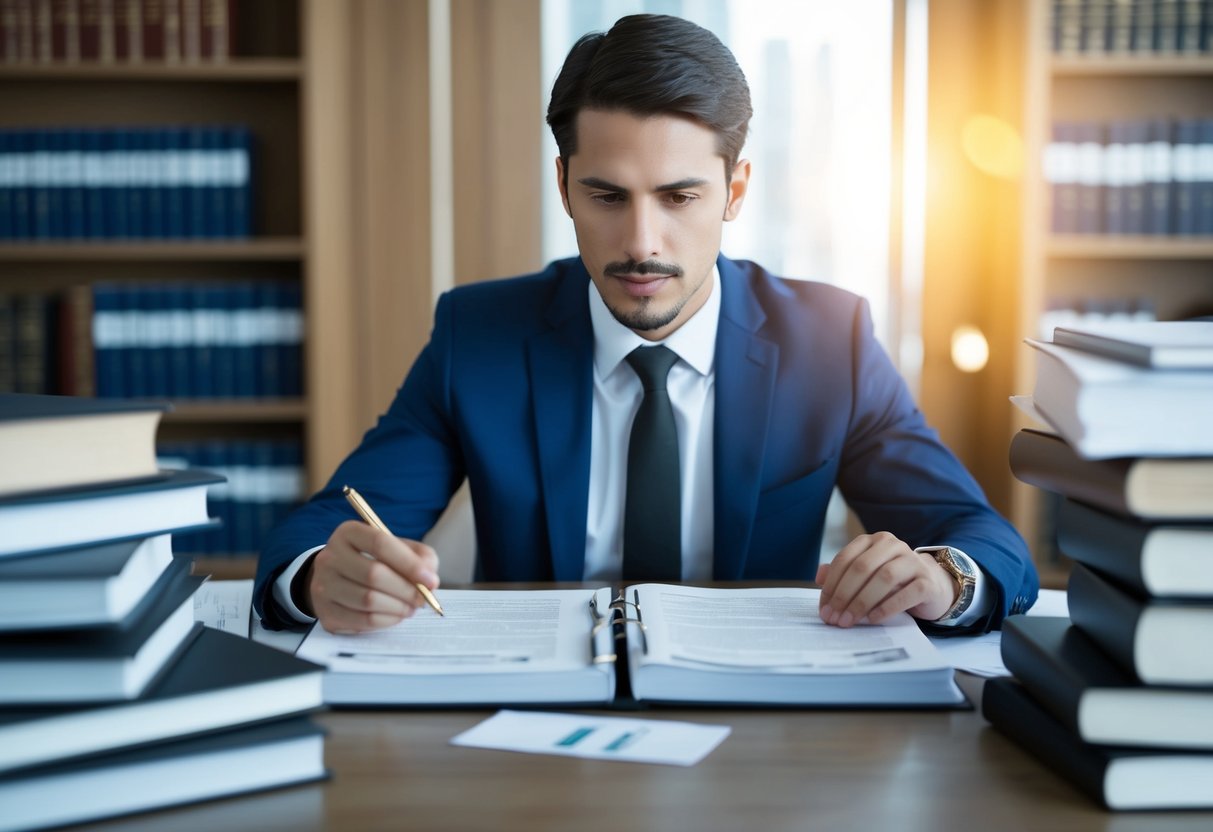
[561, 368]
[745, 384]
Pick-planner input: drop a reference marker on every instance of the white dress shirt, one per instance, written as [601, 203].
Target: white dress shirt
[617, 394]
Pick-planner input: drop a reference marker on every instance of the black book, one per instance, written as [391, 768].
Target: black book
[241, 761]
[220, 681]
[50, 442]
[1119, 778]
[85, 586]
[101, 664]
[1152, 559]
[76, 517]
[1160, 642]
[1094, 697]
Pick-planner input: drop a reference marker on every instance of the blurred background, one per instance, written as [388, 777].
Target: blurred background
[249, 207]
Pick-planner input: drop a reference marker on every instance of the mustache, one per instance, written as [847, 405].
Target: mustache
[618, 269]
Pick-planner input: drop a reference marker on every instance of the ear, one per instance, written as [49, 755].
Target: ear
[737, 189]
[561, 185]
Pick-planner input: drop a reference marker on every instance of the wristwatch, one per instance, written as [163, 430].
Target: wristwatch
[962, 570]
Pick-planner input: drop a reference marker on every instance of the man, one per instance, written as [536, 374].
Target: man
[719, 464]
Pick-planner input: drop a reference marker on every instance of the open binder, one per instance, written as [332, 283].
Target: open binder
[651, 643]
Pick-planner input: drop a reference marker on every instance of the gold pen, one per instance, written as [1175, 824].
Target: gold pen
[368, 514]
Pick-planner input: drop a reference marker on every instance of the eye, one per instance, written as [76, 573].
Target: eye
[680, 199]
[609, 198]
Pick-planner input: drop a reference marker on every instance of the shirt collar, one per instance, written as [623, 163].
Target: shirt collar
[694, 342]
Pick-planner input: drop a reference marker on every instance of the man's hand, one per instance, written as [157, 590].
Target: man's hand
[876, 576]
[349, 592]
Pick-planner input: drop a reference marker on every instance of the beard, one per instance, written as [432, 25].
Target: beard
[645, 318]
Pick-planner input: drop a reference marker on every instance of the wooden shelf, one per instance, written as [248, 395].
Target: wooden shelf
[242, 69]
[1172, 65]
[238, 411]
[1110, 247]
[268, 248]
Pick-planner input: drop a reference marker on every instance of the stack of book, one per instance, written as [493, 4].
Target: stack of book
[111, 692]
[1119, 696]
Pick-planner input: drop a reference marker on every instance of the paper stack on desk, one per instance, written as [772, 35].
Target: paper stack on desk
[111, 695]
[1119, 697]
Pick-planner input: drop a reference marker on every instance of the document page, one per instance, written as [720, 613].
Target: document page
[771, 630]
[484, 631]
[596, 737]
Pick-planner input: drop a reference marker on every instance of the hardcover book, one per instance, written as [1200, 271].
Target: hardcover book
[1107, 408]
[1118, 778]
[100, 664]
[1153, 559]
[74, 517]
[220, 681]
[1160, 642]
[1159, 344]
[1150, 488]
[1094, 697]
[50, 442]
[233, 762]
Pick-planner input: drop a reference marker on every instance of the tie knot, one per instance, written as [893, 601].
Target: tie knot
[652, 364]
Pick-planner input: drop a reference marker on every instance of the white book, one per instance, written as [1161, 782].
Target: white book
[1107, 408]
[1158, 344]
[762, 646]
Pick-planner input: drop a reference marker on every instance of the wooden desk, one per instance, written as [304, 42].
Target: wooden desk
[883, 771]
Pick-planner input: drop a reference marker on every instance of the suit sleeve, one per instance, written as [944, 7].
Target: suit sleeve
[407, 467]
[899, 477]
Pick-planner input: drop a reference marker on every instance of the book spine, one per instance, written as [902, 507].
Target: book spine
[1054, 466]
[1106, 543]
[1090, 178]
[1204, 175]
[1186, 176]
[74, 186]
[244, 320]
[1108, 616]
[152, 20]
[1115, 179]
[180, 328]
[94, 167]
[1051, 683]
[1061, 172]
[1137, 135]
[1011, 710]
[8, 184]
[65, 31]
[43, 14]
[108, 332]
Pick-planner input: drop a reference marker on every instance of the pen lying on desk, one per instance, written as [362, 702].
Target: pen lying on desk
[368, 514]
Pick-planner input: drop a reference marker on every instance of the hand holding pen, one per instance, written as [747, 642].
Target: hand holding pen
[366, 578]
[368, 514]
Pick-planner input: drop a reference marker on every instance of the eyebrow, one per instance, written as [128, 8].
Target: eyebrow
[680, 185]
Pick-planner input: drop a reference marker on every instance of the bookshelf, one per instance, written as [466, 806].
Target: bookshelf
[263, 84]
[1172, 274]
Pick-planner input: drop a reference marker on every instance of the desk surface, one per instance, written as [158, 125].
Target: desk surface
[779, 770]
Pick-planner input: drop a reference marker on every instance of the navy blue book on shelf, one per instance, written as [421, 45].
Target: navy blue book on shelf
[120, 182]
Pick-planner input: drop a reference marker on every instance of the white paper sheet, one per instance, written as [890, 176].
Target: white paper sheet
[982, 655]
[228, 606]
[596, 737]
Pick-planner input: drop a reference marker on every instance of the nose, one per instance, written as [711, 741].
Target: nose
[642, 233]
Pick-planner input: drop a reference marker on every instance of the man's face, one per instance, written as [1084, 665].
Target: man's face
[648, 198]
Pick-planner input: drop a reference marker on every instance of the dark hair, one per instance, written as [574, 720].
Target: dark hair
[650, 64]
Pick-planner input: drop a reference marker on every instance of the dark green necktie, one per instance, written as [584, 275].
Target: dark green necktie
[652, 516]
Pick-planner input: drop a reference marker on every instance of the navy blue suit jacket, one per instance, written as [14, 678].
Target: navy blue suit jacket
[805, 399]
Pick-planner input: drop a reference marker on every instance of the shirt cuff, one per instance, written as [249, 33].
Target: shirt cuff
[983, 599]
[282, 587]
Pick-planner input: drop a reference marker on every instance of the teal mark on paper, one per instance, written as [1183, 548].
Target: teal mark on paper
[624, 740]
[575, 737]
